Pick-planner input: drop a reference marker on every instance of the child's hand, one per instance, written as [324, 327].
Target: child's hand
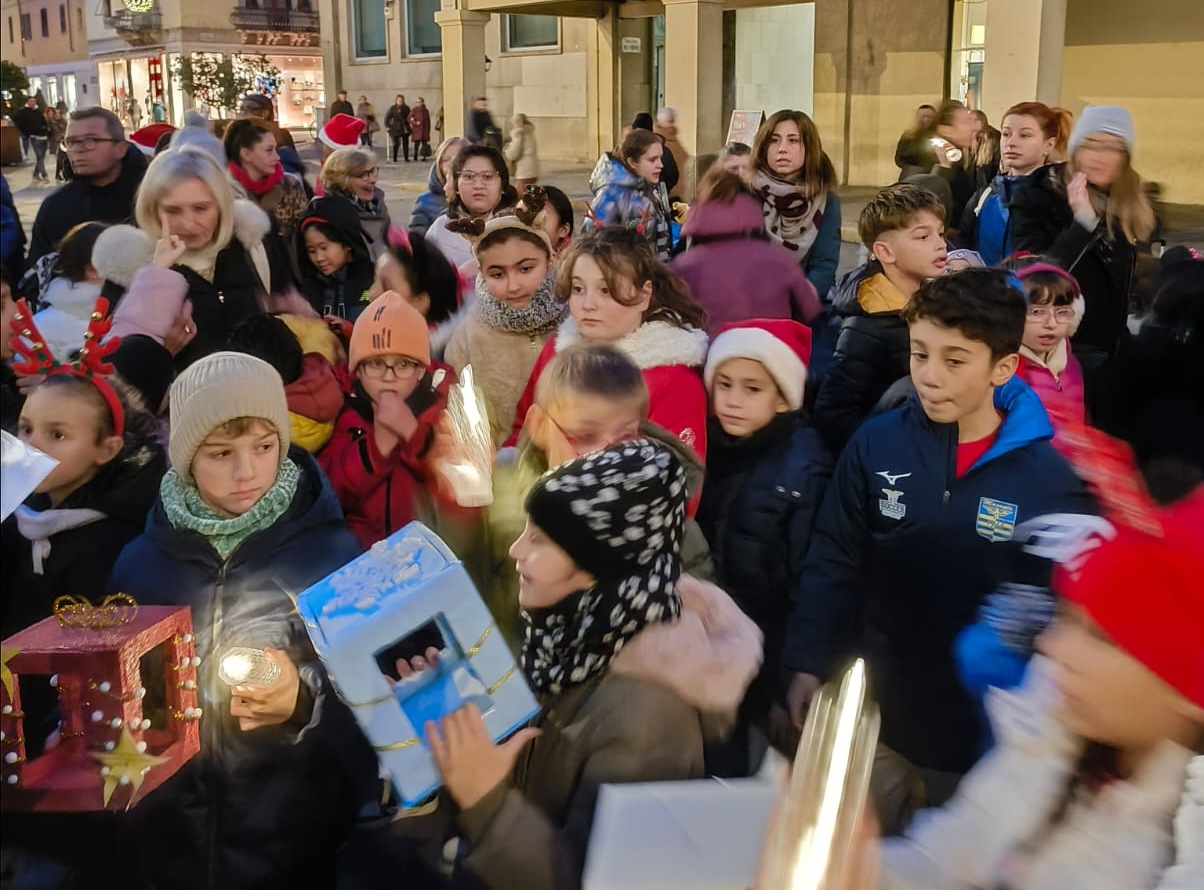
[798, 697]
[470, 763]
[272, 705]
[395, 415]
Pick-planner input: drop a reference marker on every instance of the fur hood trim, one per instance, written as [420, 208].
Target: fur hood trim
[708, 656]
[251, 223]
[120, 251]
[654, 344]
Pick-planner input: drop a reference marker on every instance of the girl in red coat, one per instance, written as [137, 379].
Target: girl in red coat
[1055, 308]
[380, 458]
[621, 295]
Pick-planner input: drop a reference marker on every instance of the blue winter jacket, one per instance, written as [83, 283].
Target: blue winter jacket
[903, 552]
[266, 807]
[986, 223]
[430, 205]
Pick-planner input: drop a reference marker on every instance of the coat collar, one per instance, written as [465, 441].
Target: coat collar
[653, 344]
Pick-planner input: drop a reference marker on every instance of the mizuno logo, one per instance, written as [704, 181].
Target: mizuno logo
[891, 480]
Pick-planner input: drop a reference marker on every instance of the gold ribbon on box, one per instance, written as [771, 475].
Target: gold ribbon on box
[115, 610]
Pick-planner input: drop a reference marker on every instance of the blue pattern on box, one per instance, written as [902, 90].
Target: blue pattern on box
[401, 586]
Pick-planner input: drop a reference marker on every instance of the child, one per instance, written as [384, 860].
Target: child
[242, 524]
[378, 458]
[68, 300]
[902, 228]
[516, 309]
[96, 499]
[598, 568]
[559, 222]
[590, 398]
[912, 533]
[419, 272]
[1098, 780]
[311, 386]
[333, 257]
[1055, 308]
[620, 294]
[766, 474]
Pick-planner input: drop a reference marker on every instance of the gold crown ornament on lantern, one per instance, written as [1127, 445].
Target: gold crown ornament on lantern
[116, 610]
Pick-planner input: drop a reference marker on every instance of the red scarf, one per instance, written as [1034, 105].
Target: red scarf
[260, 188]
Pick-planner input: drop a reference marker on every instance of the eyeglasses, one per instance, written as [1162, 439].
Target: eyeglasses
[1062, 314]
[367, 174]
[379, 368]
[86, 143]
[484, 178]
[588, 443]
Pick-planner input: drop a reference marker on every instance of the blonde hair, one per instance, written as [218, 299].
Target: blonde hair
[170, 169]
[343, 165]
[1128, 207]
[591, 369]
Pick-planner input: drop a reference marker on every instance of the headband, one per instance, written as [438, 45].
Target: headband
[1053, 270]
[34, 357]
[527, 216]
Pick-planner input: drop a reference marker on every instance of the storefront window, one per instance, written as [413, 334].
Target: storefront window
[423, 35]
[368, 28]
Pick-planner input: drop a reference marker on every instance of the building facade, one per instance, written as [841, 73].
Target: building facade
[860, 67]
[48, 38]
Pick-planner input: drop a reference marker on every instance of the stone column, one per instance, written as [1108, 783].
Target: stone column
[463, 65]
[602, 83]
[694, 79]
[1023, 58]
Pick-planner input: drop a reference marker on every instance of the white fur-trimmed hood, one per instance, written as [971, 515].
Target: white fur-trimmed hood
[121, 251]
[654, 344]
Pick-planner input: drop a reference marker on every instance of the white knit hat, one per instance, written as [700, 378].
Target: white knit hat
[217, 389]
[1111, 120]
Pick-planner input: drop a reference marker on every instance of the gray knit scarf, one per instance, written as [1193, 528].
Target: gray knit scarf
[541, 316]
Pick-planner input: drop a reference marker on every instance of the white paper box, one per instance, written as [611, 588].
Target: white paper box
[704, 835]
[359, 615]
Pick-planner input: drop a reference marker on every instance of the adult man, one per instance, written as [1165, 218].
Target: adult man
[481, 128]
[105, 179]
[259, 108]
[35, 135]
[341, 105]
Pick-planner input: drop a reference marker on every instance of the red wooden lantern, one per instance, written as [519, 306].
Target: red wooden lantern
[118, 740]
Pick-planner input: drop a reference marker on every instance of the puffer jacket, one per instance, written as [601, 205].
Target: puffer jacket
[623, 199]
[1058, 382]
[735, 272]
[757, 510]
[872, 352]
[314, 402]
[269, 807]
[643, 720]
[986, 224]
[431, 204]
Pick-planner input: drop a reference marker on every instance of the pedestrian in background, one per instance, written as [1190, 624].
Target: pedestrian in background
[56, 123]
[522, 152]
[367, 113]
[397, 123]
[341, 106]
[420, 128]
[914, 153]
[35, 136]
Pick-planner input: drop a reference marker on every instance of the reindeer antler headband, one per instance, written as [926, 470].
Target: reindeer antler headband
[33, 356]
[527, 216]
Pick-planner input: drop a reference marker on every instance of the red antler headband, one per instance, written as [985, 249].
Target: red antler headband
[34, 357]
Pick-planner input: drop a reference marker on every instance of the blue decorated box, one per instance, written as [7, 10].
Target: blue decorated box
[406, 594]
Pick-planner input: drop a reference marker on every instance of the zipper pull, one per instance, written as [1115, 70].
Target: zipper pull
[221, 297]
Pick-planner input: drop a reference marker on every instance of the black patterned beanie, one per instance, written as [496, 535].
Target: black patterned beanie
[619, 515]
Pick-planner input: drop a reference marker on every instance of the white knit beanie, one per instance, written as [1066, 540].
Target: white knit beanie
[1111, 120]
[217, 389]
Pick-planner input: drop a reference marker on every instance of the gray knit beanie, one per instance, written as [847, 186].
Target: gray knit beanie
[217, 389]
[1112, 120]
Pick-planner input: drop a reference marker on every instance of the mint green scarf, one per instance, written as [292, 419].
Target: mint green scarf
[185, 509]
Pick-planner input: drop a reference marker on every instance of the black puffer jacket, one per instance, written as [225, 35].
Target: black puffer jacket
[872, 352]
[266, 808]
[757, 509]
[1042, 222]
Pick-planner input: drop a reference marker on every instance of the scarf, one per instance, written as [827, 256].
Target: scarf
[39, 527]
[790, 219]
[542, 315]
[253, 187]
[1059, 357]
[728, 454]
[186, 509]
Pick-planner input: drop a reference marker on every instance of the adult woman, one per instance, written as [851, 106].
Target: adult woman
[352, 172]
[254, 165]
[914, 152]
[56, 124]
[797, 183]
[628, 190]
[367, 113]
[197, 249]
[1090, 215]
[482, 185]
[955, 127]
[397, 123]
[420, 128]
[433, 202]
[986, 145]
[1032, 133]
[522, 152]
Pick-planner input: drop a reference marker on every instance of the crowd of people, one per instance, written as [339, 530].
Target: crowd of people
[721, 473]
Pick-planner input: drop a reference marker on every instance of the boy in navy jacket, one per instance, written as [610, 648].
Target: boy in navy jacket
[912, 533]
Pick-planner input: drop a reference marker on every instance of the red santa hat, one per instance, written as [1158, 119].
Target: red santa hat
[147, 138]
[1145, 591]
[341, 131]
[781, 345]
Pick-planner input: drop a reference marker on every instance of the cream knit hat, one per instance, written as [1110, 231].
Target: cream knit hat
[217, 389]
